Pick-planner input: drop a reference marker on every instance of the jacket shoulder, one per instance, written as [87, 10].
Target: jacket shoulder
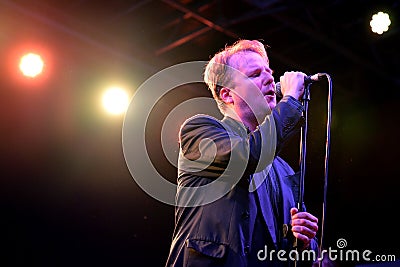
[199, 120]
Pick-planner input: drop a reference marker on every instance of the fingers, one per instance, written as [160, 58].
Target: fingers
[305, 234]
[292, 83]
[293, 211]
[302, 215]
[304, 240]
[308, 231]
[305, 216]
[304, 224]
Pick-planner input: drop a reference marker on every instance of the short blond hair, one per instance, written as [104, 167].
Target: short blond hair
[217, 74]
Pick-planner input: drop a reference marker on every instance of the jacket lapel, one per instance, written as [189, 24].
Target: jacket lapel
[265, 203]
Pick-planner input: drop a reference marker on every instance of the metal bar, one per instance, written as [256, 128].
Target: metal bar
[200, 18]
[182, 40]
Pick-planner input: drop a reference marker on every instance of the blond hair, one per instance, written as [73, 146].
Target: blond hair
[217, 74]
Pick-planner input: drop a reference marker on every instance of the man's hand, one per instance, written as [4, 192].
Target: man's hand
[292, 83]
[304, 226]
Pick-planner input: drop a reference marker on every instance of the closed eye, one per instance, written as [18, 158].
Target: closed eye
[255, 74]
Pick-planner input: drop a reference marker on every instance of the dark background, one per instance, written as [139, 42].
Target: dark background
[67, 196]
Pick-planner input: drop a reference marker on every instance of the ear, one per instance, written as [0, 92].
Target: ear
[226, 95]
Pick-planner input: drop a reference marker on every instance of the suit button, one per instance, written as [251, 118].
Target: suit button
[285, 230]
[246, 250]
[245, 214]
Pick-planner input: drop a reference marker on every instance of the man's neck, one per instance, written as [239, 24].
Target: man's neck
[249, 124]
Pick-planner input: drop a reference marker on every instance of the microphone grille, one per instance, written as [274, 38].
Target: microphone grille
[278, 91]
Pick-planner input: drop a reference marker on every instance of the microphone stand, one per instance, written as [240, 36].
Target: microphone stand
[303, 149]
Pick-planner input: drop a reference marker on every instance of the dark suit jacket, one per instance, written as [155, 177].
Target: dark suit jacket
[228, 166]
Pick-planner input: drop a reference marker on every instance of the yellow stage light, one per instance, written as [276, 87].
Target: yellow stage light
[115, 101]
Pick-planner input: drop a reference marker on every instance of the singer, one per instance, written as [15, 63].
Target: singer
[259, 210]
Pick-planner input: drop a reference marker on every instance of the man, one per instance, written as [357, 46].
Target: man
[236, 198]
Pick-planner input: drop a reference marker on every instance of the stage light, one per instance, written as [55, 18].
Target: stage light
[31, 65]
[115, 100]
[380, 22]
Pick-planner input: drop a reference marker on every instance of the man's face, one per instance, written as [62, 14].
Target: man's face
[255, 85]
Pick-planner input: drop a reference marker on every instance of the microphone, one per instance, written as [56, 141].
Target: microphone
[307, 80]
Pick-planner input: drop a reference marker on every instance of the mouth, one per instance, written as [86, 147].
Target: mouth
[269, 94]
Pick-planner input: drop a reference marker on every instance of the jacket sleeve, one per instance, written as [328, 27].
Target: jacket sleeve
[288, 119]
[209, 149]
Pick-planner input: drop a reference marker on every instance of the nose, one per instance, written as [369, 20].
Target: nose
[267, 77]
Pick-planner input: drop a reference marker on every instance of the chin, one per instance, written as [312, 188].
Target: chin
[272, 104]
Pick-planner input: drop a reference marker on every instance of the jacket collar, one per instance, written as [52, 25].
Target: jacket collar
[236, 126]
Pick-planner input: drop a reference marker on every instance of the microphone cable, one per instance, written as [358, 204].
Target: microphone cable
[327, 151]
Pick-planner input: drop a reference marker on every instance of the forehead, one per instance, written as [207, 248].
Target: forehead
[247, 59]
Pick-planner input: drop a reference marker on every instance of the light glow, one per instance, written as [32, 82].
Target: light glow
[380, 22]
[115, 100]
[31, 65]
